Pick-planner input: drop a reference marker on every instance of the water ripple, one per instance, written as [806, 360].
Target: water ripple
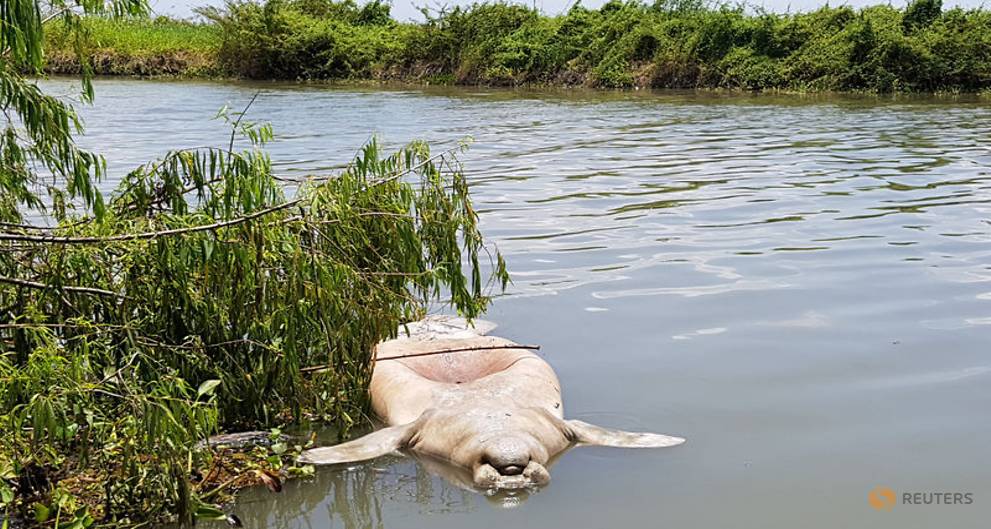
[571, 183]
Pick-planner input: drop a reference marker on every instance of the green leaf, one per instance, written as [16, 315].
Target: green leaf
[207, 388]
[6, 494]
[41, 513]
[209, 512]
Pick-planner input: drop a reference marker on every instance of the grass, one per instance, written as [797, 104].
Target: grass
[160, 46]
[150, 36]
[669, 43]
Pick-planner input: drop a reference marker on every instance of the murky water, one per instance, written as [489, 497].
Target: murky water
[801, 286]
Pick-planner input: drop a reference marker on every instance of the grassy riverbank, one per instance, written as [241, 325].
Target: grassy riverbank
[670, 43]
[160, 46]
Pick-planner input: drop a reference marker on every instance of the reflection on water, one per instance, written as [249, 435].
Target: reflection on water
[462, 478]
[354, 496]
[801, 286]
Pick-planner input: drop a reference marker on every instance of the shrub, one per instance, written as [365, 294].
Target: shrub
[921, 14]
[677, 43]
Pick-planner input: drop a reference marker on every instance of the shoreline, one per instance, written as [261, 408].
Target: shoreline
[550, 89]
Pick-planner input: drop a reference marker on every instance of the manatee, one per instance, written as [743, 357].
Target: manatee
[494, 412]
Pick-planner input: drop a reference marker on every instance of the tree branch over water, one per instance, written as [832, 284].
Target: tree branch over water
[43, 286]
[133, 329]
[50, 239]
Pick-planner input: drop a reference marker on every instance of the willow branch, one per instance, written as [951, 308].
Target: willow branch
[146, 235]
[153, 168]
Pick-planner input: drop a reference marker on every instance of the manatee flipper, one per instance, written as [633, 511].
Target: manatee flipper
[375, 444]
[590, 434]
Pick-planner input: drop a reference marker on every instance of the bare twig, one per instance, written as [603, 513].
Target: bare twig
[400, 174]
[35, 227]
[462, 350]
[230, 146]
[394, 176]
[55, 15]
[24, 226]
[315, 369]
[43, 286]
[58, 326]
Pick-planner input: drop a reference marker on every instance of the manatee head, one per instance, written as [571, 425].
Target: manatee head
[463, 477]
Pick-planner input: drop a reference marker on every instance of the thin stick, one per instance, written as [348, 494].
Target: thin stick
[55, 15]
[237, 123]
[401, 174]
[43, 228]
[43, 286]
[431, 353]
[25, 226]
[463, 350]
[146, 235]
[56, 326]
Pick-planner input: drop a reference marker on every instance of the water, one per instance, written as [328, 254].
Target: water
[801, 286]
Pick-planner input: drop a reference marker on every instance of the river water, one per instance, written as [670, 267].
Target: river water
[801, 286]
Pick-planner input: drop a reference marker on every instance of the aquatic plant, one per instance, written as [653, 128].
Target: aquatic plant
[200, 297]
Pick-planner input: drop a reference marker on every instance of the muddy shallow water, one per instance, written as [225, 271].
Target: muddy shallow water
[801, 286]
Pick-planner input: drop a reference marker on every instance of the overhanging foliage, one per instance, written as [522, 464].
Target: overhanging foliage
[195, 298]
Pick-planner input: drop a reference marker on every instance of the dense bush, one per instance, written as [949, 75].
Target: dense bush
[665, 44]
[305, 39]
[670, 43]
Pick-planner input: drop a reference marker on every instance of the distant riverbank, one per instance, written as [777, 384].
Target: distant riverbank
[668, 44]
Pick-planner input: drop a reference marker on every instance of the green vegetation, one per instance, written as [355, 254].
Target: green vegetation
[197, 299]
[138, 46]
[670, 43]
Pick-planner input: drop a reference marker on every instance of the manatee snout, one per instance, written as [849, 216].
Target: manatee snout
[509, 456]
[533, 475]
[507, 463]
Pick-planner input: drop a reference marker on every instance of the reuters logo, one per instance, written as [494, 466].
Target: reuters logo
[881, 498]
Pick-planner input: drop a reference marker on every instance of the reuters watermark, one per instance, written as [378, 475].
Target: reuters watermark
[884, 498]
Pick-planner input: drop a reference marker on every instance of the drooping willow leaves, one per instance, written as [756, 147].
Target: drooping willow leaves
[37, 129]
[193, 300]
[200, 270]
